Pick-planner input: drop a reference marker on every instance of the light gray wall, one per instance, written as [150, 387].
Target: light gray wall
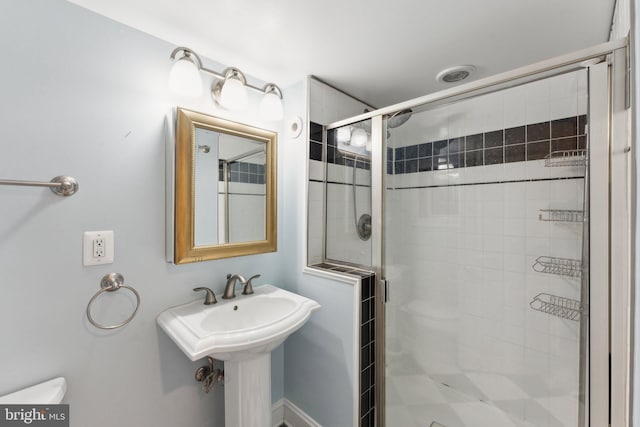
[85, 96]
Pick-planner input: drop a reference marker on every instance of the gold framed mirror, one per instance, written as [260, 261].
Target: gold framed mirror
[225, 188]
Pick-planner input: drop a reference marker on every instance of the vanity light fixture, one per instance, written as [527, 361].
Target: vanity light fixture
[271, 105]
[185, 78]
[229, 90]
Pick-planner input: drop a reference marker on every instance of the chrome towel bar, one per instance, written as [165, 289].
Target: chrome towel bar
[60, 185]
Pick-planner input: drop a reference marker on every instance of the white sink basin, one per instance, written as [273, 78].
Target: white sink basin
[238, 328]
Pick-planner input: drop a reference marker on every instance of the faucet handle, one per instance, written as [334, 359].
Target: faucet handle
[210, 298]
[248, 287]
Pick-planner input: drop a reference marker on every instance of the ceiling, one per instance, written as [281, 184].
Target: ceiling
[380, 52]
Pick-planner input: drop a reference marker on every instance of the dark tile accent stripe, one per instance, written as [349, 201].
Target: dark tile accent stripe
[538, 131]
[315, 150]
[315, 132]
[474, 158]
[514, 153]
[474, 142]
[538, 150]
[367, 346]
[494, 139]
[514, 135]
[367, 351]
[516, 144]
[249, 173]
[564, 127]
[493, 156]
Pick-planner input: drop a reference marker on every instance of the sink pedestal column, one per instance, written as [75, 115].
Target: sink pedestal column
[247, 391]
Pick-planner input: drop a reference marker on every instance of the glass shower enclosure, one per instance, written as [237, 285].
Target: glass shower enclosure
[488, 216]
[484, 217]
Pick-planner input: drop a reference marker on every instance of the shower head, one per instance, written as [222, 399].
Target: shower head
[396, 119]
[399, 118]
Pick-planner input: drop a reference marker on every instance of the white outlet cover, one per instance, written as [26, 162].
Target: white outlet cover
[87, 247]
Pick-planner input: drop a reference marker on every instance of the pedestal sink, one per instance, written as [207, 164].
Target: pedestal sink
[242, 332]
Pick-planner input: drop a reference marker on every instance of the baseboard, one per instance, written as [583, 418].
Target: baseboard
[287, 413]
[277, 413]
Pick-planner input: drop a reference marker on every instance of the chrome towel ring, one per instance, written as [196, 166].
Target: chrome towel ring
[110, 283]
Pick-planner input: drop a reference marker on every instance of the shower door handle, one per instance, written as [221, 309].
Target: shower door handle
[384, 288]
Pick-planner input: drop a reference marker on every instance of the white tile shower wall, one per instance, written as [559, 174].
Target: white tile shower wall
[315, 235]
[460, 256]
[343, 243]
[466, 307]
[327, 105]
[246, 203]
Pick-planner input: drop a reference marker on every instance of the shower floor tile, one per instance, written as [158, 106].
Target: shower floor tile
[404, 365]
[480, 414]
[474, 399]
[461, 384]
[424, 415]
[398, 415]
[563, 408]
[497, 387]
[529, 411]
[532, 385]
[417, 389]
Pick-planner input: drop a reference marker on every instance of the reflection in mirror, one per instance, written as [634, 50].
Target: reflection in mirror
[230, 189]
[225, 201]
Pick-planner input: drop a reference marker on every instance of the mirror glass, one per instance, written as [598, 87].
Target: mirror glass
[224, 188]
[230, 189]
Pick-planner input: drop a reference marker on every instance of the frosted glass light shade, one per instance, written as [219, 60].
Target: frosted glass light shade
[344, 135]
[185, 79]
[233, 95]
[271, 107]
[359, 137]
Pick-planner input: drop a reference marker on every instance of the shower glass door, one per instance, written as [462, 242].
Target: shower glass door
[484, 245]
[348, 203]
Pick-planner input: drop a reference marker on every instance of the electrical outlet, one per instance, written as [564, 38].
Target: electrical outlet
[98, 248]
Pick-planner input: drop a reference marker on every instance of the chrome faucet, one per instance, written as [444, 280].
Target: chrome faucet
[210, 298]
[230, 288]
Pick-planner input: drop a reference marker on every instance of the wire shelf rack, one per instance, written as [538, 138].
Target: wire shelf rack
[559, 266]
[554, 305]
[561, 215]
[566, 158]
